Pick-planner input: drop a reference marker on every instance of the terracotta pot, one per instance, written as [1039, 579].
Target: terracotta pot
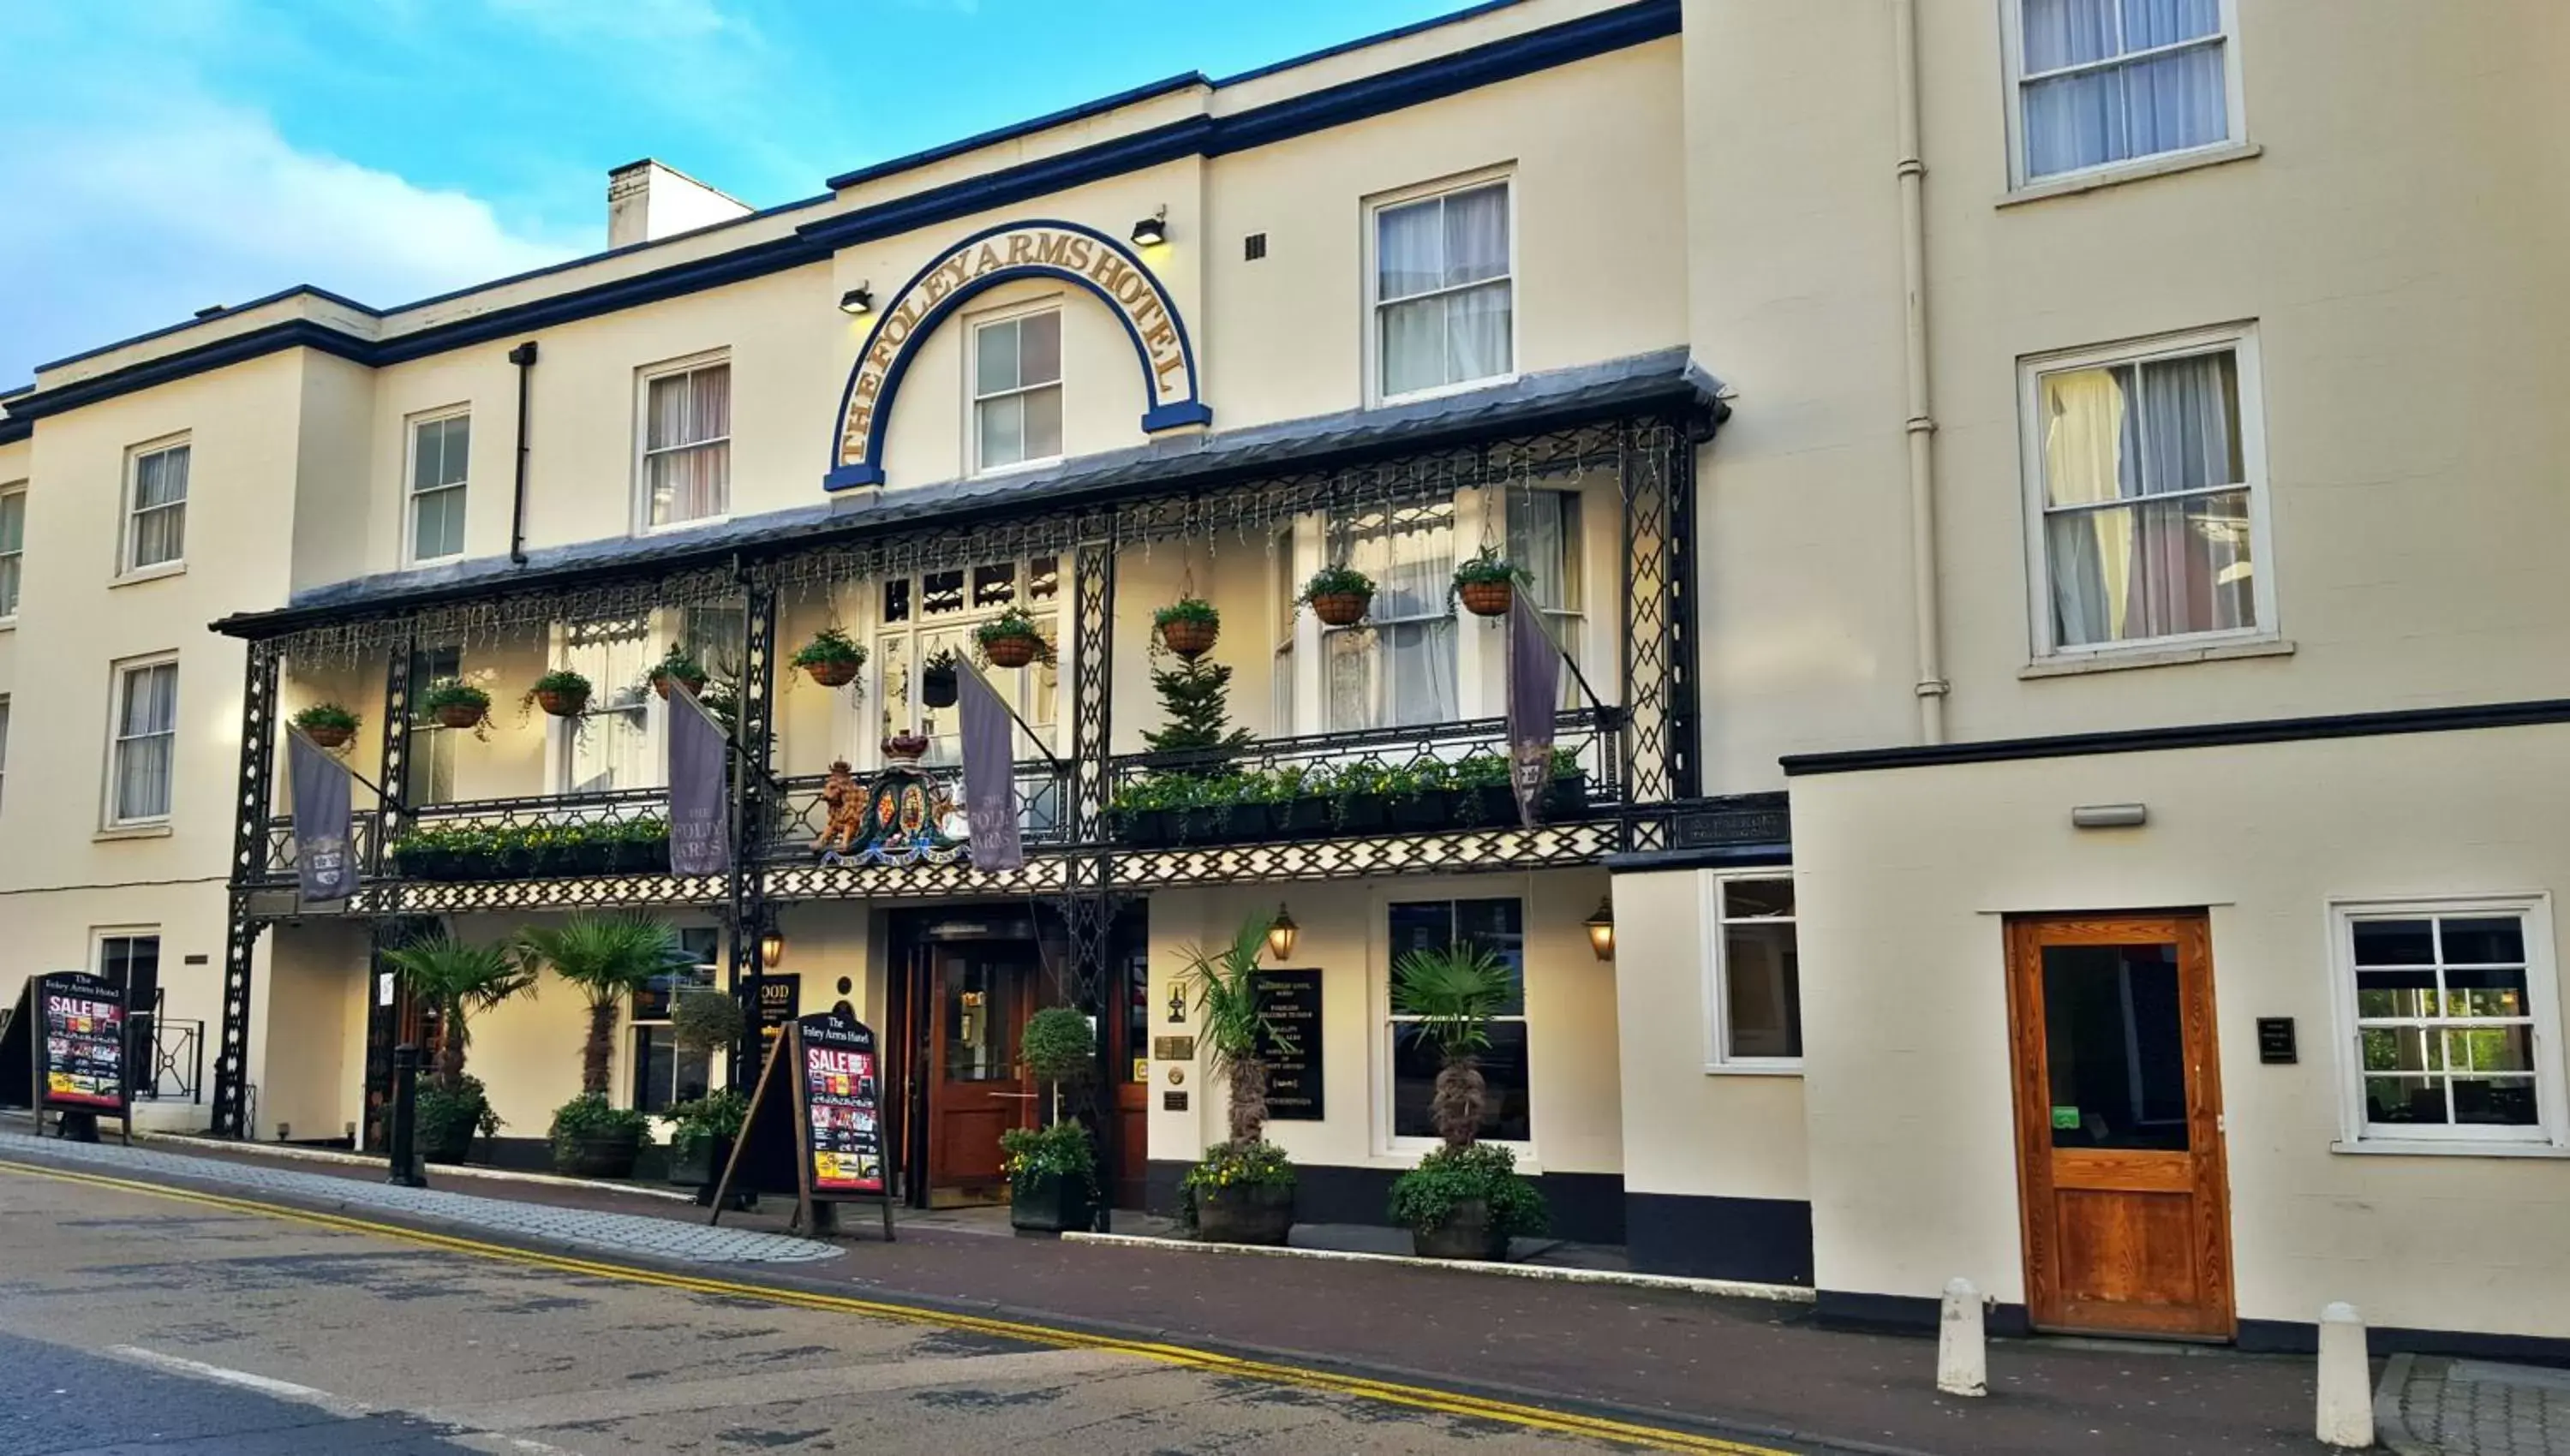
[1341, 608]
[1011, 651]
[660, 684]
[834, 674]
[331, 736]
[460, 715]
[1189, 637]
[1487, 599]
[562, 704]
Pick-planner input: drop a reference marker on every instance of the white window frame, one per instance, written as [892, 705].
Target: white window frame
[643, 451]
[1712, 920]
[15, 490]
[2240, 339]
[639, 1027]
[126, 570]
[120, 680]
[1504, 174]
[2012, 44]
[973, 399]
[2551, 1132]
[410, 481]
[1385, 1029]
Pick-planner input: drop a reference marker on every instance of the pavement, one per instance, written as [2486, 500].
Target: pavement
[2429, 1406]
[1753, 1371]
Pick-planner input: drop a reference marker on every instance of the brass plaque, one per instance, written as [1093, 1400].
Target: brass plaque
[1174, 1048]
[1173, 1102]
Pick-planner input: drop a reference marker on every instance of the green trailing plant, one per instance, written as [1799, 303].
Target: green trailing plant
[1254, 1163]
[326, 718]
[1012, 625]
[447, 1114]
[589, 1117]
[1423, 1198]
[705, 1022]
[454, 692]
[677, 662]
[458, 980]
[560, 689]
[1451, 993]
[609, 957]
[1224, 981]
[1197, 696]
[829, 645]
[1488, 566]
[718, 1114]
[1060, 1151]
[469, 852]
[1337, 580]
[1188, 609]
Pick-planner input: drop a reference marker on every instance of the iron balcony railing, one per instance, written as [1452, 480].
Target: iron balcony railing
[802, 813]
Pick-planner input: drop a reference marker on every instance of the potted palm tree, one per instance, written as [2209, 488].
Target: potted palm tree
[1242, 1190]
[1052, 1170]
[832, 658]
[1463, 1201]
[610, 957]
[329, 725]
[456, 981]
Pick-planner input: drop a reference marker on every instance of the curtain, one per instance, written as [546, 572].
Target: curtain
[1544, 537]
[1438, 327]
[1401, 670]
[145, 733]
[609, 746]
[2164, 103]
[687, 449]
[161, 506]
[1476, 249]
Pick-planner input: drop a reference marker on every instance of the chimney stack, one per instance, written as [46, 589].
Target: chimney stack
[647, 202]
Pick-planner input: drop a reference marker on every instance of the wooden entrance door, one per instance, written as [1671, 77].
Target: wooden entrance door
[980, 995]
[2118, 1117]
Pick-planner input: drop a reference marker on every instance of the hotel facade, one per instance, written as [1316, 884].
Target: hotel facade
[2045, 501]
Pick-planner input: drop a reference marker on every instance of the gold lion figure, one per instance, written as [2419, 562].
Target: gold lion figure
[846, 802]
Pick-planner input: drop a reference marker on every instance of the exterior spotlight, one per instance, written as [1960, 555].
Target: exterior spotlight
[771, 949]
[1154, 230]
[860, 299]
[1602, 929]
[1281, 933]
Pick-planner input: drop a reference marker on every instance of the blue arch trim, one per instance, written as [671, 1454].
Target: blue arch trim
[1168, 410]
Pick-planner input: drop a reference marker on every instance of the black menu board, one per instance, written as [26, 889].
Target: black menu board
[1290, 1043]
[842, 1093]
[81, 1047]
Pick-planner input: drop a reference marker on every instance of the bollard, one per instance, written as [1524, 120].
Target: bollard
[403, 1137]
[2346, 1381]
[1962, 1359]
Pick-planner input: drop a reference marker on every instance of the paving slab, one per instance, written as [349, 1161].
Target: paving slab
[2448, 1408]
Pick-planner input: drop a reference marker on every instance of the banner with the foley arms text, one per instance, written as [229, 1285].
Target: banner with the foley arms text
[1535, 693]
[990, 774]
[325, 869]
[700, 799]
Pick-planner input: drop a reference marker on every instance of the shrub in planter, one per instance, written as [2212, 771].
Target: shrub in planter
[676, 663]
[446, 1118]
[1188, 627]
[939, 686]
[561, 693]
[1466, 1202]
[327, 724]
[701, 1137]
[1053, 1177]
[1339, 595]
[594, 1139]
[456, 703]
[832, 658]
[1488, 581]
[1011, 639]
[1240, 1193]
[706, 1022]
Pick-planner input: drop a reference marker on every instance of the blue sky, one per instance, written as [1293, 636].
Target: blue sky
[159, 155]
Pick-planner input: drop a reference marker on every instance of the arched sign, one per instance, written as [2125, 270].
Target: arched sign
[1012, 251]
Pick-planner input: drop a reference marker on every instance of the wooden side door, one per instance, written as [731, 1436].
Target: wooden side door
[981, 995]
[1128, 1062]
[2127, 1219]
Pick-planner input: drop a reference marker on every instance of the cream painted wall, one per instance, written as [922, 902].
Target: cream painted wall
[1689, 1130]
[1571, 1011]
[54, 929]
[311, 1067]
[1905, 877]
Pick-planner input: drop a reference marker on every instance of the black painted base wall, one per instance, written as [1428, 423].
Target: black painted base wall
[1916, 1314]
[1756, 1240]
[1586, 1207]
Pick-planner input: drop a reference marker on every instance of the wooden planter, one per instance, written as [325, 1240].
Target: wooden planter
[332, 736]
[1341, 608]
[563, 705]
[834, 673]
[1189, 637]
[1248, 1213]
[660, 684]
[461, 715]
[1011, 651]
[1487, 599]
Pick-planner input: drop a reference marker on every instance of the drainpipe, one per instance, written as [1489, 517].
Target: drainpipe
[1922, 424]
[524, 356]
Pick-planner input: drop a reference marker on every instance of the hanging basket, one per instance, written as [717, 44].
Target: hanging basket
[562, 704]
[939, 687]
[1012, 651]
[838, 674]
[661, 683]
[1341, 608]
[461, 715]
[1487, 599]
[331, 736]
[1189, 637]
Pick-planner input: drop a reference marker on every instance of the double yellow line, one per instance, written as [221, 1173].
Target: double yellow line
[1414, 1397]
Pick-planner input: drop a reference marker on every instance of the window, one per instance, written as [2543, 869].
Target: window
[130, 961]
[156, 524]
[1017, 390]
[686, 444]
[1544, 537]
[13, 544]
[1443, 295]
[1497, 925]
[662, 1074]
[438, 451]
[145, 721]
[2452, 1008]
[1285, 588]
[428, 763]
[1397, 667]
[608, 746]
[936, 611]
[2101, 82]
[2149, 496]
[1756, 998]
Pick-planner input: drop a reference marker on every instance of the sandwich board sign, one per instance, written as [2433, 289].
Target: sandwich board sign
[79, 1042]
[818, 1107]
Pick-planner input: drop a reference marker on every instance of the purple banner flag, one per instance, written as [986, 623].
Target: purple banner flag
[323, 868]
[1534, 694]
[990, 774]
[699, 806]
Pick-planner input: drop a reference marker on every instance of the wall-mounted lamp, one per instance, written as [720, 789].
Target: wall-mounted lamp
[2110, 816]
[771, 949]
[1602, 929]
[1281, 933]
[860, 299]
[1154, 230]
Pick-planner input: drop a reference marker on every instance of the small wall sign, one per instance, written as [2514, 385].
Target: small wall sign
[2276, 1041]
[1289, 1038]
[1174, 1048]
[1173, 1102]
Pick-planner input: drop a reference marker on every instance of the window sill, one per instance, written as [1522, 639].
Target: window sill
[2069, 665]
[2459, 1148]
[1753, 1069]
[159, 830]
[1445, 391]
[150, 573]
[8, 623]
[2109, 176]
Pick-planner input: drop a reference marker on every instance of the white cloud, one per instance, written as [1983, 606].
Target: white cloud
[134, 218]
